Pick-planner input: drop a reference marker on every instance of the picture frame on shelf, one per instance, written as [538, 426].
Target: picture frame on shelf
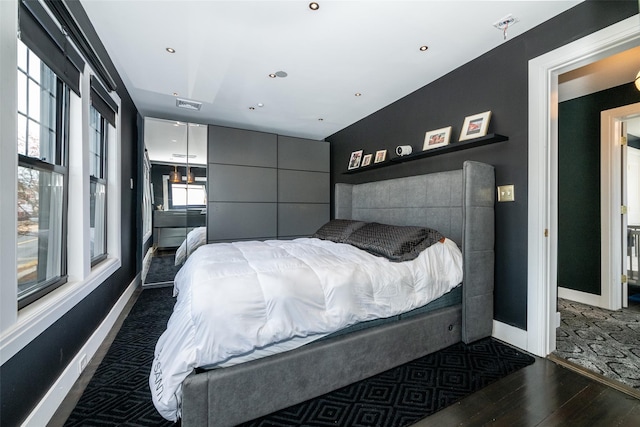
[436, 138]
[381, 156]
[366, 160]
[475, 126]
[355, 159]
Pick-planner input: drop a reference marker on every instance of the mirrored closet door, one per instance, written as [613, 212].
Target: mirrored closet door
[177, 154]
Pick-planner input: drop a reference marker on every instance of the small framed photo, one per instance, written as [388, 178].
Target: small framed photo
[436, 138]
[366, 160]
[381, 156]
[475, 126]
[356, 158]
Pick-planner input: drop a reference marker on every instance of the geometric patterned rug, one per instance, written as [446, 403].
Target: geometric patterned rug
[162, 268]
[602, 341]
[409, 393]
[118, 393]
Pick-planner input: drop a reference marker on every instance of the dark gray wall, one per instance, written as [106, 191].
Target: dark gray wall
[496, 81]
[28, 375]
[579, 185]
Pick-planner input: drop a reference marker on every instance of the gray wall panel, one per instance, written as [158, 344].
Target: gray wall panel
[232, 221]
[229, 183]
[242, 147]
[303, 154]
[303, 187]
[301, 219]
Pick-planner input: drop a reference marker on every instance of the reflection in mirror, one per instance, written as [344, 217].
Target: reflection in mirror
[178, 157]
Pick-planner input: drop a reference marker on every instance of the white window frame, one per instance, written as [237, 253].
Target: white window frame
[19, 328]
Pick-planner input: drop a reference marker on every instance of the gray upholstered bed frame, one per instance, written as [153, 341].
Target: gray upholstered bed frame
[459, 204]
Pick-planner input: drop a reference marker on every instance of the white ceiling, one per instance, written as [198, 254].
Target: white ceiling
[225, 51]
[171, 142]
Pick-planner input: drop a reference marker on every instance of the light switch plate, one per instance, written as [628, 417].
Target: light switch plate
[506, 193]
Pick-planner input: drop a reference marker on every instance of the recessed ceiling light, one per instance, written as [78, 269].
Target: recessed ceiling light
[314, 6]
[423, 48]
[272, 75]
[260, 104]
[252, 108]
[358, 94]
[171, 50]
[175, 93]
[320, 119]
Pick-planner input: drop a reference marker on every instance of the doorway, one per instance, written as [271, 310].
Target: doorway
[542, 315]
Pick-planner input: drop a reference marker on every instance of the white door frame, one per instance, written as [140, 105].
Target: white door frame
[613, 243]
[543, 170]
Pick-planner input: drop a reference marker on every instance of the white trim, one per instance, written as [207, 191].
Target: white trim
[146, 263]
[542, 194]
[41, 314]
[8, 163]
[611, 244]
[510, 334]
[582, 297]
[47, 407]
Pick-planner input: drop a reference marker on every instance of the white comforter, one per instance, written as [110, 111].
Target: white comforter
[195, 238]
[234, 298]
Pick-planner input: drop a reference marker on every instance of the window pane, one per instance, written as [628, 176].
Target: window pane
[33, 139]
[37, 101]
[188, 195]
[196, 195]
[97, 207]
[34, 66]
[22, 92]
[22, 135]
[34, 100]
[22, 56]
[40, 199]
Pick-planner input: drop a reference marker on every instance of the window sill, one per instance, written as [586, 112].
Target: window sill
[40, 315]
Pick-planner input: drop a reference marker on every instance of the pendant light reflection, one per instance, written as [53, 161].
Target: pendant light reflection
[638, 81]
[174, 176]
[191, 178]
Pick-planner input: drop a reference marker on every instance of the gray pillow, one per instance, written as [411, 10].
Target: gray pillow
[394, 242]
[337, 230]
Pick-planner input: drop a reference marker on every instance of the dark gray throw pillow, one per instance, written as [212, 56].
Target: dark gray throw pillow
[394, 242]
[337, 230]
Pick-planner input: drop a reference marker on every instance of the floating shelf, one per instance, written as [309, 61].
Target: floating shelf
[451, 147]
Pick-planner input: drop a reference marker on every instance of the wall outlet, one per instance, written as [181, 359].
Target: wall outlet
[82, 363]
[506, 193]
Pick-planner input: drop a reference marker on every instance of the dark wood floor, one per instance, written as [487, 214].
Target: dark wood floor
[542, 394]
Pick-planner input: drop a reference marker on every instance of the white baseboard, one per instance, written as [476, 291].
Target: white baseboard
[47, 407]
[146, 264]
[510, 334]
[582, 297]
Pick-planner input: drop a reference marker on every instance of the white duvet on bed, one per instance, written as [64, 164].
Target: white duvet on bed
[195, 238]
[234, 298]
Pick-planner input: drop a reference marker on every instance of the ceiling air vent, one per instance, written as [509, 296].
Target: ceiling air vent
[189, 105]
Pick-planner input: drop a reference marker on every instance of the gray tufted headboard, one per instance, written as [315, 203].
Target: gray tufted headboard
[460, 205]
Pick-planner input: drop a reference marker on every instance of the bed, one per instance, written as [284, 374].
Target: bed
[459, 204]
[195, 238]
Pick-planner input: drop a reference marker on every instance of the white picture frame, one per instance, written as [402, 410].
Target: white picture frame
[381, 156]
[436, 138]
[475, 126]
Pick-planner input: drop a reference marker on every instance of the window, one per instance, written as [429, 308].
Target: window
[97, 186]
[188, 195]
[42, 177]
